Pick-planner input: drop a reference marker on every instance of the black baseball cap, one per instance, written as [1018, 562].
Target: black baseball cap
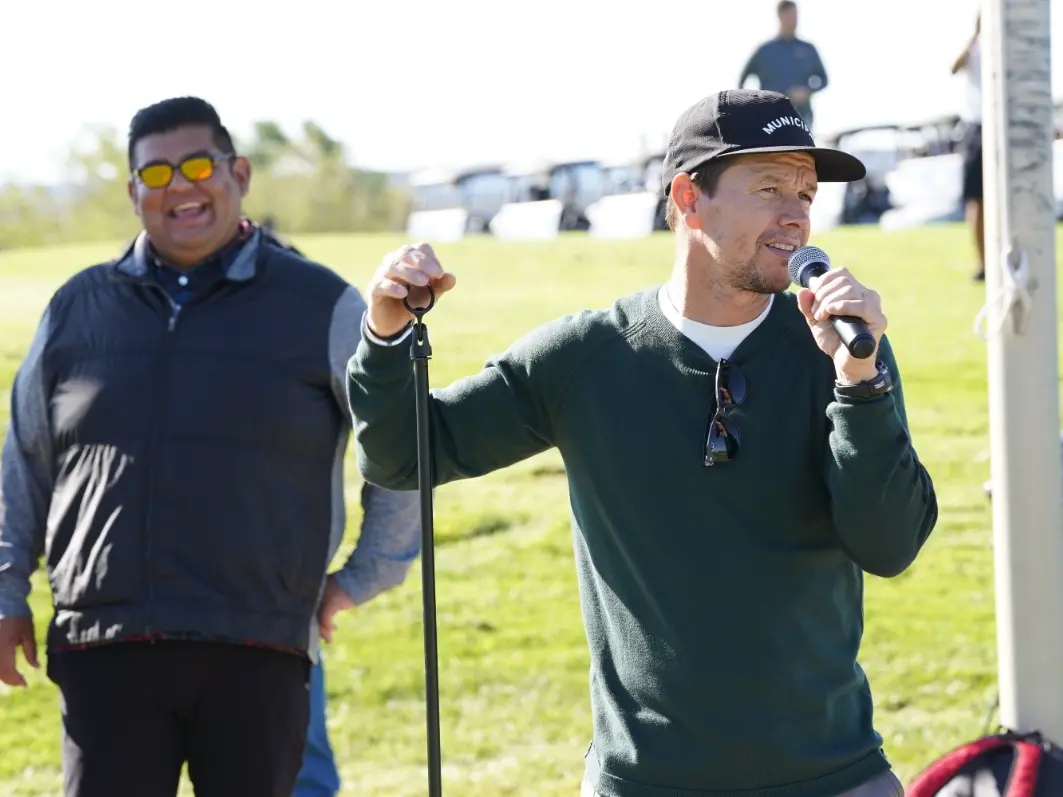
[743, 121]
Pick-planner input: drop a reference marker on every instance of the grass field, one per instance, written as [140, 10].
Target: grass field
[513, 664]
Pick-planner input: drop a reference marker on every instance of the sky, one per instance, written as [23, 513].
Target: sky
[425, 83]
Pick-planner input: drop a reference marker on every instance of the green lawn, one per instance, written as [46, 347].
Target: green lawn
[513, 665]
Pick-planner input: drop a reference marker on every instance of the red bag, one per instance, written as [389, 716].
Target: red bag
[1002, 765]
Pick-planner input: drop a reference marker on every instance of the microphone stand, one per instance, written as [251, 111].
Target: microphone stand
[420, 352]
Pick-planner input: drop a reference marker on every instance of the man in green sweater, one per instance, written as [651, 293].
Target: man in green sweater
[722, 537]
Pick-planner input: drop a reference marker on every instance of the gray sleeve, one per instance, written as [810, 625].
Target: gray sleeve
[27, 477]
[344, 335]
[390, 538]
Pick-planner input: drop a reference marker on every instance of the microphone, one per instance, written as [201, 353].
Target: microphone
[810, 262]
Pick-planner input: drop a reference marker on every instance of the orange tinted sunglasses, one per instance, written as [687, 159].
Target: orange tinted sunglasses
[195, 168]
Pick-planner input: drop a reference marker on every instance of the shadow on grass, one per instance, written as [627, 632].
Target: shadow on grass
[544, 471]
[470, 528]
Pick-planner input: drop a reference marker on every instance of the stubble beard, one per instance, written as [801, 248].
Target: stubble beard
[748, 278]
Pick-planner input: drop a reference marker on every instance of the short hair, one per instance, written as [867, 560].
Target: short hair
[705, 178]
[785, 5]
[171, 114]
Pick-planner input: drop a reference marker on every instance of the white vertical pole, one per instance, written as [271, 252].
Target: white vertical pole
[1023, 363]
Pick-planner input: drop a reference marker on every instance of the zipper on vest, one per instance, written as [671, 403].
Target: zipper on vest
[163, 370]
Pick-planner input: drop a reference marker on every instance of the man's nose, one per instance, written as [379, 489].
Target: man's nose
[796, 215]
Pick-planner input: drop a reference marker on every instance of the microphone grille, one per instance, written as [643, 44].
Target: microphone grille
[802, 257]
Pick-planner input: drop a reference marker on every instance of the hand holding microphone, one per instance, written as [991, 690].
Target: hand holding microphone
[846, 318]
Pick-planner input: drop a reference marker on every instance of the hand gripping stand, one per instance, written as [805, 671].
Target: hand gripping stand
[420, 352]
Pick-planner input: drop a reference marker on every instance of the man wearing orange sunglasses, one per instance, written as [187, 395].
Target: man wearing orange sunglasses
[178, 429]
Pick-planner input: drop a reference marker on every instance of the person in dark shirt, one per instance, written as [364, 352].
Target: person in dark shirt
[788, 65]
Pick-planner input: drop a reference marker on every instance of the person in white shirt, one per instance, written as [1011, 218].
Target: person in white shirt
[970, 62]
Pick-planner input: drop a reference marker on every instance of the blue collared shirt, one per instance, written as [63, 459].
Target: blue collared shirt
[183, 284]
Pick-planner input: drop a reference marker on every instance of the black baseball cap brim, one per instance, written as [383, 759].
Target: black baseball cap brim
[832, 165]
[746, 122]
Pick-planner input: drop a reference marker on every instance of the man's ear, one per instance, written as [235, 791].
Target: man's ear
[242, 173]
[685, 195]
[132, 189]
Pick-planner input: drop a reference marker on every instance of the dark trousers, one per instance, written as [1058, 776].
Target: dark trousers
[972, 163]
[134, 713]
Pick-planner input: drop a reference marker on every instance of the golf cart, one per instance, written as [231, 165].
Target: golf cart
[640, 176]
[479, 191]
[925, 182]
[882, 148]
[575, 184]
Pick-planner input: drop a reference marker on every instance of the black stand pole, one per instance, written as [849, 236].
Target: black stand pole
[420, 352]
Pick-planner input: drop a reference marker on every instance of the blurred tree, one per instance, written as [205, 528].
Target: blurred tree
[98, 206]
[305, 183]
[267, 144]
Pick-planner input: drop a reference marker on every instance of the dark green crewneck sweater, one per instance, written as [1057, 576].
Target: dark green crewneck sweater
[723, 605]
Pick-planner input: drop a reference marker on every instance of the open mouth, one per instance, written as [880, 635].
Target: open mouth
[189, 211]
[781, 248]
